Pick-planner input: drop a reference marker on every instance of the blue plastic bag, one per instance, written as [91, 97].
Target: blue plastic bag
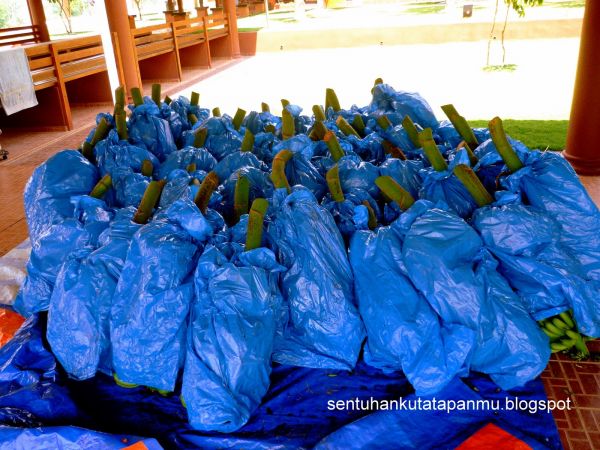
[548, 182]
[148, 129]
[406, 173]
[67, 438]
[79, 314]
[236, 161]
[231, 336]
[386, 100]
[403, 331]
[50, 188]
[112, 154]
[181, 159]
[323, 327]
[445, 259]
[445, 187]
[532, 258]
[61, 241]
[153, 297]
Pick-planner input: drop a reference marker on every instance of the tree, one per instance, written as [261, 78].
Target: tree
[70, 8]
[138, 5]
[519, 7]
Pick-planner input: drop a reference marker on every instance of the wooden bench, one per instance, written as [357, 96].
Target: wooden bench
[19, 35]
[156, 52]
[191, 38]
[219, 37]
[64, 72]
[53, 112]
[83, 68]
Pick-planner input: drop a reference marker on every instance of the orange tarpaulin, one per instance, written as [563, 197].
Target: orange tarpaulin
[492, 437]
[10, 322]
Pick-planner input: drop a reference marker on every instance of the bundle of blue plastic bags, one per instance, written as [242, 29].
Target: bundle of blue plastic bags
[179, 314]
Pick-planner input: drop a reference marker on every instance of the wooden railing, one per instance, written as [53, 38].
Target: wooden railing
[80, 57]
[190, 32]
[153, 40]
[19, 35]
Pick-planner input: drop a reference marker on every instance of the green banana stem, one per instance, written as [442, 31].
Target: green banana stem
[287, 125]
[424, 135]
[101, 187]
[391, 149]
[147, 168]
[168, 100]
[319, 113]
[264, 107]
[461, 125]
[216, 112]
[248, 141]
[395, 192]
[190, 168]
[156, 88]
[334, 145]
[241, 197]
[411, 131]
[432, 152]
[372, 217]
[121, 122]
[506, 151]
[384, 122]
[472, 158]
[358, 124]
[377, 81]
[284, 102]
[136, 95]
[200, 137]
[194, 98]
[333, 182]
[318, 131]
[345, 127]
[469, 180]
[270, 128]
[119, 99]
[255, 223]
[278, 170]
[192, 118]
[331, 100]
[149, 201]
[208, 186]
[100, 133]
[238, 118]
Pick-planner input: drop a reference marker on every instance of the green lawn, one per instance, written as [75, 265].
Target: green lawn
[542, 134]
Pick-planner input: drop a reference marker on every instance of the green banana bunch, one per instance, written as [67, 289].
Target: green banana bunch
[563, 334]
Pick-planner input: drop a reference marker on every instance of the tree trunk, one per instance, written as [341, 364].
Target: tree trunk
[487, 60]
[503, 31]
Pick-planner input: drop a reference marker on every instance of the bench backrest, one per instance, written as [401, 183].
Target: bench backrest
[80, 57]
[153, 40]
[190, 32]
[41, 65]
[19, 35]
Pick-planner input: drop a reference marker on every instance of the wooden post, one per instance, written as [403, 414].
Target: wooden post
[38, 18]
[230, 10]
[118, 22]
[582, 150]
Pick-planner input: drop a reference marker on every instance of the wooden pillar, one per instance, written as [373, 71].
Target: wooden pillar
[582, 149]
[230, 10]
[118, 22]
[38, 17]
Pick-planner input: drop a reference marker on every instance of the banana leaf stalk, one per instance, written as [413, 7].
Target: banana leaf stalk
[359, 125]
[284, 102]
[278, 177]
[334, 145]
[255, 223]
[200, 137]
[248, 141]
[101, 132]
[333, 182]
[331, 100]
[119, 99]
[101, 187]
[208, 186]
[264, 107]
[318, 131]
[319, 113]
[216, 112]
[434, 155]
[391, 149]
[241, 198]
[510, 157]
[411, 131]
[147, 168]
[190, 168]
[287, 125]
[238, 118]
[136, 95]
[461, 125]
[149, 201]
[121, 122]
[195, 99]
[395, 192]
[470, 181]
[345, 127]
[156, 94]
[372, 217]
